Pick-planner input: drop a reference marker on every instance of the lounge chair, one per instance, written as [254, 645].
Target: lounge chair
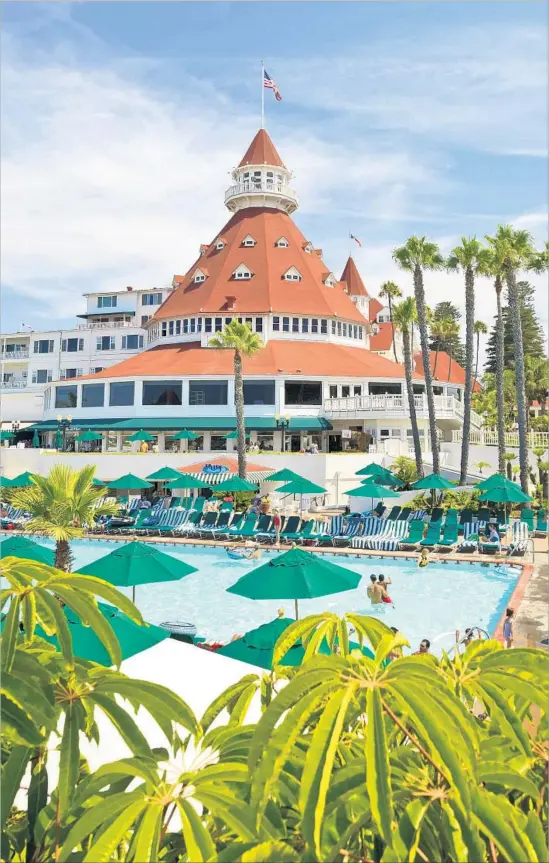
[432, 536]
[220, 526]
[138, 525]
[450, 537]
[305, 532]
[405, 513]
[263, 526]
[414, 535]
[520, 535]
[190, 526]
[466, 517]
[388, 540]
[352, 527]
[198, 504]
[245, 529]
[541, 523]
[234, 523]
[336, 527]
[226, 505]
[451, 516]
[436, 515]
[527, 517]
[469, 541]
[289, 529]
[187, 502]
[372, 528]
[176, 501]
[502, 519]
[209, 521]
[418, 515]
[395, 512]
[379, 509]
[169, 521]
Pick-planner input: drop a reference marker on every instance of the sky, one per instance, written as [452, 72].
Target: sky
[121, 122]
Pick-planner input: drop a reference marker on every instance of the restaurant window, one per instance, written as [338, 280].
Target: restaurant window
[93, 395]
[161, 393]
[333, 328]
[265, 442]
[339, 328]
[196, 444]
[314, 325]
[178, 327]
[207, 325]
[121, 394]
[357, 390]
[276, 324]
[344, 331]
[295, 325]
[305, 325]
[259, 392]
[193, 325]
[418, 389]
[185, 327]
[208, 392]
[164, 328]
[65, 397]
[285, 325]
[259, 325]
[170, 328]
[345, 392]
[302, 393]
[385, 389]
[218, 442]
[437, 391]
[333, 391]
[199, 325]
[218, 325]
[324, 326]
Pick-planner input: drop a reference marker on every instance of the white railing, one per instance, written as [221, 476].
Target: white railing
[14, 385]
[105, 325]
[265, 187]
[394, 405]
[15, 355]
[489, 437]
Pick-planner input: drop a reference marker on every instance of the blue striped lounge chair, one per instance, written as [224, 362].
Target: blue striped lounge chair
[418, 515]
[352, 527]
[372, 527]
[520, 535]
[389, 540]
[190, 525]
[469, 541]
[169, 520]
[336, 528]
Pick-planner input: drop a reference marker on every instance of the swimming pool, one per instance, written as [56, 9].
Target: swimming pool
[428, 603]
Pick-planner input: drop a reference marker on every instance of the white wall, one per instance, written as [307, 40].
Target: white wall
[480, 452]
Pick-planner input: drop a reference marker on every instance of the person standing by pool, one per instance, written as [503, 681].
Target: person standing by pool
[277, 524]
[508, 628]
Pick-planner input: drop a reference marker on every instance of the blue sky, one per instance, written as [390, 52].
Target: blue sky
[121, 122]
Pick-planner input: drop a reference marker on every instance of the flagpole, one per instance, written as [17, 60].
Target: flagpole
[262, 95]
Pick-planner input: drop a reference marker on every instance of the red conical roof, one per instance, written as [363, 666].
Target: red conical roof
[355, 285]
[262, 151]
[267, 290]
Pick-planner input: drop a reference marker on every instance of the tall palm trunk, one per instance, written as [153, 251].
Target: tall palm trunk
[63, 555]
[239, 408]
[500, 395]
[476, 363]
[407, 351]
[436, 359]
[392, 329]
[514, 310]
[469, 348]
[419, 292]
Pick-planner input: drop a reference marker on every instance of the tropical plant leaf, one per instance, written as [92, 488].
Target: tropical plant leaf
[228, 696]
[146, 838]
[69, 759]
[101, 851]
[198, 841]
[13, 770]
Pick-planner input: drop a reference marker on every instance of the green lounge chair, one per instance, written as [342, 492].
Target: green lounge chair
[137, 526]
[222, 524]
[187, 502]
[306, 531]
[199, 503]
[451, 516]
[244, 530]
[191, 525]
[502, 519]
[466, 517]
[226, 505]
[208, 521]
[414, 535]
[263, 527]
[527, 516]
[393, 515]
[433, 535]
[436, 515]
[541, 523]
[232, 525]
[404, 513]
[450, 537]
[380, 509]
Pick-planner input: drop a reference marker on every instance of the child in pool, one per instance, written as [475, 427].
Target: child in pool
[423, 558]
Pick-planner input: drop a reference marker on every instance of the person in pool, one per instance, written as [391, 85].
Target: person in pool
[508, 628]
[374, 591]
[423, 558]
[424, 646]
[382, 584]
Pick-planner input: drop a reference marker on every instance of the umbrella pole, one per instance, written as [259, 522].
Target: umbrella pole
[296, 607]
[133, 594]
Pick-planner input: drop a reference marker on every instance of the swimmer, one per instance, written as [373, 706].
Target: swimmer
[508, 628]
[424, 646]
[382, 584]
[423, 558]
[396, 653]
[374, 591]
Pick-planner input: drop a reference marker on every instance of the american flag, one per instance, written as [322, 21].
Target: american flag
[270, 84]
[351, 237]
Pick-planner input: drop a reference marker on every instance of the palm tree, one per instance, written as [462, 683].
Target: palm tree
[493, 267]
[515, 251]
[439, 331]
[417, 255]
[404, 316]
[240, 339]
[450, 333]
[62, 505]
[391, 291]
[467, 257]
[479, 329]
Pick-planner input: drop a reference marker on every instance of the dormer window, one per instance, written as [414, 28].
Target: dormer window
[329, 280]
[203, 249]
[248, 241]
[220, 244]
[282, 243]
[199, 276]
[308, 247]
[292, 275]
[242, 272]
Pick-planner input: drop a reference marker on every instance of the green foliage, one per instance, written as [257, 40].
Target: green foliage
[540, 423]
[532, 332]
[447, 338]
[485, 401]
[242, 499]
[374, 757]
[405, 468]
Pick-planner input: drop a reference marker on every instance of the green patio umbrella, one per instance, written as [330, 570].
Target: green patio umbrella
[6, 435]
[6, 482]
[388, 479]
[58, 439]
[137, 563]
[295, 575]
[186, 480]
[88, 435]
[100, 482]
[20, 546]
[233, 435]
[372, 490]
[493, 481]
[23, 480]
[185, 435]
[131, 637]
[284, 475]
[509, 493]
[165, 474]
[141, 435]
[373, 470]
[434, 482]
[130, 482]
[235, 484]
[35, 443]
[301, 486]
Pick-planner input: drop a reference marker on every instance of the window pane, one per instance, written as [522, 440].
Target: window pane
[384, 389]
[65, 397]
[41, 376]
[295, 325]
[93, 395]
[207, 325]
[259, 392]
[324, 326]
[357, 390]
[276, 324]
[303, 393]
[162, 393]
[345, 392]
[286, 325]
[208, 392]
[259, 325]
[333, 392]
[305, 325]
[121, 393]
[314, 325]
[218, 442]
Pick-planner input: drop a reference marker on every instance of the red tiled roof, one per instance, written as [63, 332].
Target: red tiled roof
[456, 372]
[375, 308]
[267, 291]
[262, 151]
[230, 463]
[383, 341]
[310, 359]
[350, 275]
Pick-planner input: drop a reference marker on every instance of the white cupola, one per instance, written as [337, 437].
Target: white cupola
[261, 179]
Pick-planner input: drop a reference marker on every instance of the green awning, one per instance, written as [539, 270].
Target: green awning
[220, 424]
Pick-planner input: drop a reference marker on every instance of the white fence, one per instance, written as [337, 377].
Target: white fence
[489, 437]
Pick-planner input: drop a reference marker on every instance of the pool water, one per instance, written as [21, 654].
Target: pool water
[428, 603]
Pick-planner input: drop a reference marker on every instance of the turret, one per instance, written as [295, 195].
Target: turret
[261, 179]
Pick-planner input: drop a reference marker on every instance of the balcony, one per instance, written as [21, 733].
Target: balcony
[261, 193]
[372, 407]
[104, 325]
[14, 384]
[14, 356]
